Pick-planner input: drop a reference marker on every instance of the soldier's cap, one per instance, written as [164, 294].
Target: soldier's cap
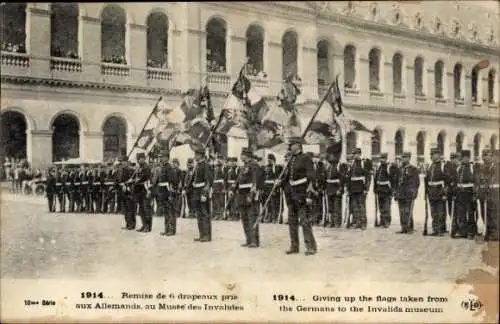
[384, 155]
[271, 157]
[406, 154]
[466, 153]
[435, 151]
[139, 156]
[295, 140]
[190, 160]
[357, 150]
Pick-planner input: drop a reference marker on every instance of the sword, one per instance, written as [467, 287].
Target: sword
[376, 211]
[478, 210]
[280, 215]
[485, 219]
[453, 225]
[324, 202]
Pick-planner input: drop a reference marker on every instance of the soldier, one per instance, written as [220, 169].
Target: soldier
[300, 177]
[77, 183]
[231, 176]
[69, 188]
[124, 173]
[492, 214]
[218, 191]
[188, 179]
[109, 189]
[176, 188]
[383, 184]
[141, 193]
[60, 189]
[358, 184]
[160, 181]
[202, 181]
[483, 179]
[50, 189]
[247, 190]
[464, 223]
[317, 195]
[271, 173]
[84, 188]
[98, 188]
[406, 191]
[450, 168]
[435, 192]
[334, 186]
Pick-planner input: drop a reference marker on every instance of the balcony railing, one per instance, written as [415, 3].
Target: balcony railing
[399, 96]
[259, 82]
[65, 64]
[351, 92]
[113, 69]
[159, 74]
[15, 59]
[459, 101]
[376, 94]
[420, 98]
[441, 100]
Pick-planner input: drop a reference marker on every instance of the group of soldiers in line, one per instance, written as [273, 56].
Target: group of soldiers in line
[316, 191]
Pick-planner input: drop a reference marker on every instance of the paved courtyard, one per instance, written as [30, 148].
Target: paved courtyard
[36, 244]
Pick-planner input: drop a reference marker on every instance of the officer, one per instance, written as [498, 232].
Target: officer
[176, 188]
[317, 195]
[384, 180]
[300, 177]
[450, 168]
[124, 173]
[492, 168]
[247, 193]
[335, 179]
[435, 192]
[406, 191]
[271, 174]
[483, 179]
[98, 188]
[162, 190]
[141, 193]
[77, 184]
[188, 179]
[69, 187]
[60, 188]
[108, 204]
[358, 184]
[50, 189]
[202, 181]
[286, 188]
[218, 191]
[84, 188]
[464, 223]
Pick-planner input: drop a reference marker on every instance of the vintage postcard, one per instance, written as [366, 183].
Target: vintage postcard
[287, 161]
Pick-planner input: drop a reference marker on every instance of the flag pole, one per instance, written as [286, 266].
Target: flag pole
[144, 127]
[288, 161]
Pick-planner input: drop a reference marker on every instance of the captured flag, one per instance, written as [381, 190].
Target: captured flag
[145, 139]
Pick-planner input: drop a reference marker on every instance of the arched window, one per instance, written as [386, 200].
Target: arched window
[419, 77]
[64, 30]
[290, 54]
[216, 45]
[493, 142]
[441, 142]
[459, 142]
[65, 138]
[115, 138]
[13, 21]
[376, 142]
[475, 84]
[323, 65]
[350, 67]
[13, 131]
[374, 69]
[157, 40]
[491, 87]
[477, 145]
[397, 73]
[398, 142]
[113, 35]
[351, 141]
[255, 49]
[439, 79]
[420, 144]
[457, 81]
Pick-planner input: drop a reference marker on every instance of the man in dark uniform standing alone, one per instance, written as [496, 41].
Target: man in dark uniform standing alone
[466, 191]
[383, 184]
[247, 194]
[335, 177]
[271, 173]
[300, 177]
[202, 181]
[435, 192]
[406, 193]
[359, 183]
[141, 193]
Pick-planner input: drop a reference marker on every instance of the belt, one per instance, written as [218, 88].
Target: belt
[163, 184]
[298, 182]
[270, 181]
[465, 185]
[219, 181]
[333, 180]
[230, 181]
[58, 184]
[495, 186]
[85, 182]
[109, 183]
[383, 183]
[199, 185]
[77, 183]
[357, 178]
[97, 184]
[436, 183]
[245, 185]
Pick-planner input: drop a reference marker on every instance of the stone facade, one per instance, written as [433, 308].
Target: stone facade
[41, 87]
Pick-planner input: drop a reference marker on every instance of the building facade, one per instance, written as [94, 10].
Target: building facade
[79, 80]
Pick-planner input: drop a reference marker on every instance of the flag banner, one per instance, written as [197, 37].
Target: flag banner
[145, 139]
[483, 64]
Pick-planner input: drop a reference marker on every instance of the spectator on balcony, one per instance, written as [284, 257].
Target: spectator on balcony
[261, 75]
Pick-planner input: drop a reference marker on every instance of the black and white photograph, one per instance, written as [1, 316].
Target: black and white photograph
[257, 162]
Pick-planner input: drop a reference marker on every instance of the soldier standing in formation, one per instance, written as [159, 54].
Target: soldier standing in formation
[125, 197]
[383, 184]
[201, 185]
[231, 175]
[464, 223]
[435, 193]
[492, 210]
[358, 184]
[50, 189]
[300, 177]
[188, 179]
[109, 189]
[176, 188]
[271, 173]
[451, 173]
[141, 193]
[218, 191]
[162, 189]
[335, 180]
[247, 193]
[483, 179]
[406, 192]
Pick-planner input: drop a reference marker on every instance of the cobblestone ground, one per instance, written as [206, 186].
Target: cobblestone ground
[36, 244]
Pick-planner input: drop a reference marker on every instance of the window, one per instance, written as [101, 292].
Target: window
[323, 63]
[13, 22]
[439, 79]
[398, 142]
[376, 142]
[350, 67]
[397, 73]
[64, 30]
[216, 45]
[157, 40]
[290, 54]
[440, 142]
[459, 142]
[420, 144]
[419, 77]
[491, 87]
[255, 50]
[477, 144]
[374, 69]
[474, 84]
[457, 81]
[113, 31]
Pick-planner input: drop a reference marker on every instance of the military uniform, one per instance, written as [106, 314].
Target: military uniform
[50, 190]
[176, 188]
[464, 223]
[99, 177]
[60, 190]
[383, 185]
[247, 193]
[69, 188]
[218, 192]
[109, 189]
[202, 181]
[492, 198]
[483, 180]
[358, 184]
[318, 186]
[231, 176]
[188, 180]
[450, 168]
[300, 177]
[125, 195]
[141, 194]
[335, 179]
[435, 192]
[162, 188]
[406, 193]
[271, 173]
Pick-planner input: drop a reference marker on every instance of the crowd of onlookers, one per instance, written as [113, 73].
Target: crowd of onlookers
[114, 59]
[13, 48]
[21, 177]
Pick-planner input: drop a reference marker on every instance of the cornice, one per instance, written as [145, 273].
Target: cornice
[138, 27]
[275, 44]
[39, 11]
[196, 32]
[91, 19]
[238, 38]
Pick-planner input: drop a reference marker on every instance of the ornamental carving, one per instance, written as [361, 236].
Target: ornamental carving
[418, 21]
[437, 25]
[374, 11]
[456, 29]
[474, 33]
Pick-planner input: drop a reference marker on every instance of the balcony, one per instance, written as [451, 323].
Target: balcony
[161, 78]
[218, 81]
[159, 74]
[399, 97]
[420, 98]
[115, 70]
[376, 94]
[459, 101]
[351, 92]
[65, 64]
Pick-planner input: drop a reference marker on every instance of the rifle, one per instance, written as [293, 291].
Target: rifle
[426, 216]
[453, 225]
[347, 211]
[377, 223]
[325, 208]
[229, 201]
